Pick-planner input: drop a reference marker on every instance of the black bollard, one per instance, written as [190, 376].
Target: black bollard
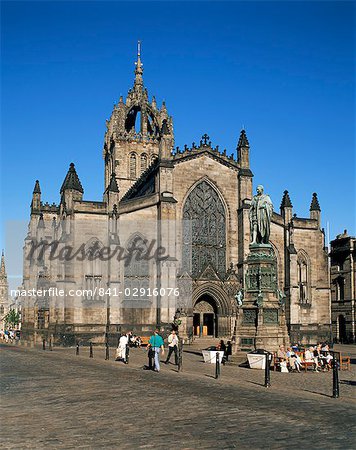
[127, 354]
[217, 366]
[44, 344]
[267, 371]
[180, 356]
[107, 355]
[90, 350]
[50, 345]
[336, 392]
[77, 351]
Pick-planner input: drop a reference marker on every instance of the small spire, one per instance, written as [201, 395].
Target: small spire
[113, 187]
[71, 180]
[243, 141]
[314, 206]
[286, 202]
[2, 267]
[37, 189]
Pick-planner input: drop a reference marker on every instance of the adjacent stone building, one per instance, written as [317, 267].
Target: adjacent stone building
[195, 203]
[4, 292]
[343, 290]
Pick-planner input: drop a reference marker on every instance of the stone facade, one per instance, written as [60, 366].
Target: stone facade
[343, 290]
[196, 201]
[4, 292]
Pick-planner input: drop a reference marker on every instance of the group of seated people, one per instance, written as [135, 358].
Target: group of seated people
[293, 358]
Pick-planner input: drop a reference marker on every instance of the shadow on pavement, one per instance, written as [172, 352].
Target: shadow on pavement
[349, 382]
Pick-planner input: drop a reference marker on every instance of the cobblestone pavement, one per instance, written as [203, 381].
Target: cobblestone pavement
[59, 400]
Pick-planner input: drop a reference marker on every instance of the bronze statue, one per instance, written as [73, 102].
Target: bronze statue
[260, 217]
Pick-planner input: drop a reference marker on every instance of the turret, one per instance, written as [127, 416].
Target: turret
[243, 151]
[315, 211]
[71, 188]
[111, 195]
[36, 198]
[286, 208]
[166, 142]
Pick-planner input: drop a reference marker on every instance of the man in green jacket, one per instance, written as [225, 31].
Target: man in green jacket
[156, 343]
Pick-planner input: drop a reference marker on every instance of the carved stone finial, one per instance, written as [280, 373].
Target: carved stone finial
[205, 140]
[243, 141]
[286, 202]
[314, 206]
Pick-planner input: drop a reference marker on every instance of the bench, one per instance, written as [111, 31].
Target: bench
[307, 364]
[276, 362]
[145, 340]
[345, 362]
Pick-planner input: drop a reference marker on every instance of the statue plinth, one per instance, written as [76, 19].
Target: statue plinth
[261, 320]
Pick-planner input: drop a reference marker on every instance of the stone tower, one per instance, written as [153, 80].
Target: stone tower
[4, 290]
[138, 132]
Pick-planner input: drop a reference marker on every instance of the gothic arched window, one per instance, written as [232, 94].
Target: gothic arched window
[136, 271]
[143, 162]
[303, 278]
[93, 270]
[132, 166]
[204, 231]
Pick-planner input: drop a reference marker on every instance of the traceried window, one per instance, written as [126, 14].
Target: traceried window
[143, 162]
[93, 271]
[204, 231]
[136, 272]
[303, 279]
[132, 166]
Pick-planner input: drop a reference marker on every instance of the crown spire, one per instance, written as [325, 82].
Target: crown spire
[139, 67]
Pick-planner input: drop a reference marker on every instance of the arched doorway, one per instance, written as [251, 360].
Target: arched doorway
[205, 319]
[342, 329]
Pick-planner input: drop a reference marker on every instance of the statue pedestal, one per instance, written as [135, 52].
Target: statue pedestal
[261, 319]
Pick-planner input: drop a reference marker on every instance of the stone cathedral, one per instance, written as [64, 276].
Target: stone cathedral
[195, 203]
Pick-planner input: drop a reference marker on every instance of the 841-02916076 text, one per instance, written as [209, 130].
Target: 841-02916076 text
[138, 292]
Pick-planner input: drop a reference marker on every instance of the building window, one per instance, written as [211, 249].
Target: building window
[303, 279]
[136, 272]
[204, 231]
[132, 166]
[340, 288]
[93, 271]
[143, 162]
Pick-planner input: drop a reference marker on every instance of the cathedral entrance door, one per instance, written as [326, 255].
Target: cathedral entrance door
[205, 318]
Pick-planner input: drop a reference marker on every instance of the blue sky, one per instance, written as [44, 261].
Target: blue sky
[284, 70]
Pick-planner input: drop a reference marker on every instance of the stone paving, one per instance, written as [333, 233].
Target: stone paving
[60, 400]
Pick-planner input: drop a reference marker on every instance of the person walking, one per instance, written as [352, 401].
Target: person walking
[121, 349]
[156, 344]
[173, 342]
